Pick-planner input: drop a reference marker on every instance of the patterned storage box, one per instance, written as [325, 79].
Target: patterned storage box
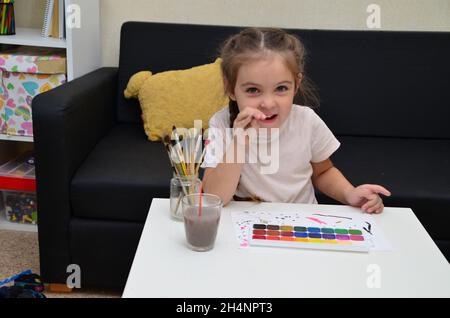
[25, 73]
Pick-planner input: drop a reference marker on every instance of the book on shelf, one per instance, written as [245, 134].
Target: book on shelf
[47, 18]
[54, 19]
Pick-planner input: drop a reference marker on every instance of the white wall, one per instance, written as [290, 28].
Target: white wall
[404, 15]
[424, 15]
[29, 13]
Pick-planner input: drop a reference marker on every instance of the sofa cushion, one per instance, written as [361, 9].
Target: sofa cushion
[414, 170]
[169, 47]
[178, 98]
[121, 176]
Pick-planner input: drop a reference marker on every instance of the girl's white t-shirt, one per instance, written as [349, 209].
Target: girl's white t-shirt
[303, 138]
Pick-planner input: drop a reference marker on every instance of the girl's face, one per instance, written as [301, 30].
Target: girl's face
[268, 85]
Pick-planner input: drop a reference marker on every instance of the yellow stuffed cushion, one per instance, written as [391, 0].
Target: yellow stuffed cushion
[177, 98]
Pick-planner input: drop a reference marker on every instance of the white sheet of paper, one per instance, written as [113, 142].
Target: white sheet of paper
[242, 221]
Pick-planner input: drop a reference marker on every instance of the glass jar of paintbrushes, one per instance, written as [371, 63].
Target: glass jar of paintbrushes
[179, 187]
[186, 151]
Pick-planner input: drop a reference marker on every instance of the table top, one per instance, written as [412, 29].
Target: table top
[164, 267]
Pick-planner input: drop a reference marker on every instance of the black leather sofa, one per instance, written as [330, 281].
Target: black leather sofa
[384, 94]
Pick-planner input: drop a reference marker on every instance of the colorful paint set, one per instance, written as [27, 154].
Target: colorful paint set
[299, 236]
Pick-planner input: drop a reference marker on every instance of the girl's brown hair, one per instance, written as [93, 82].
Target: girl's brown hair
[258, 42]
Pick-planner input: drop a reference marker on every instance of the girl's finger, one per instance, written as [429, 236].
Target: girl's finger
[377, 206]
[258, 114]
[372, 197]
[380, 209]
[363, 192]
[371, 200]
[249, 116]
[244, 122]
[246, 112]
[255, 113]
[254, 123]
[252, 112]
[242, 116]
[377, 189]
[364, 207]
[374, 208]
[372, 203]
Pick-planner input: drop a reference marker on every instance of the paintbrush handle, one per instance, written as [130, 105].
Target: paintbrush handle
[200, 161]
[178, 203]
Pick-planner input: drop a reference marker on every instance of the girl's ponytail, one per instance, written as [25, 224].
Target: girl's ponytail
[307, 94]
[234, 111]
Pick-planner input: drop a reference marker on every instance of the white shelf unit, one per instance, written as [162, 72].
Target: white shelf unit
[16, 138]
[82, 44]
[31, 37]
[83, 56]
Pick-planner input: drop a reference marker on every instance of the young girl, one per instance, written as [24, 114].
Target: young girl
[263, 71]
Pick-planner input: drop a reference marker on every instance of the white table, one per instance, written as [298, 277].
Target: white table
[164, 267]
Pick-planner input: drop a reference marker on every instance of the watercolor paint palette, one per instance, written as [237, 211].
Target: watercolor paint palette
[298, 236]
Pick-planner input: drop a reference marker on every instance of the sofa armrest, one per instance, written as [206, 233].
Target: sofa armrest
[68, 121]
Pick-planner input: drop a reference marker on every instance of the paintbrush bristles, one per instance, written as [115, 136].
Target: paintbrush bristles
[186, 157]
[184, 151]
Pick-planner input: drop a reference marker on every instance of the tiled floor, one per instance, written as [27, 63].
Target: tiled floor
[19, 251]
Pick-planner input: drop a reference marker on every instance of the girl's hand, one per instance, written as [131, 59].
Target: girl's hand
[366, 196]
[248, 117]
